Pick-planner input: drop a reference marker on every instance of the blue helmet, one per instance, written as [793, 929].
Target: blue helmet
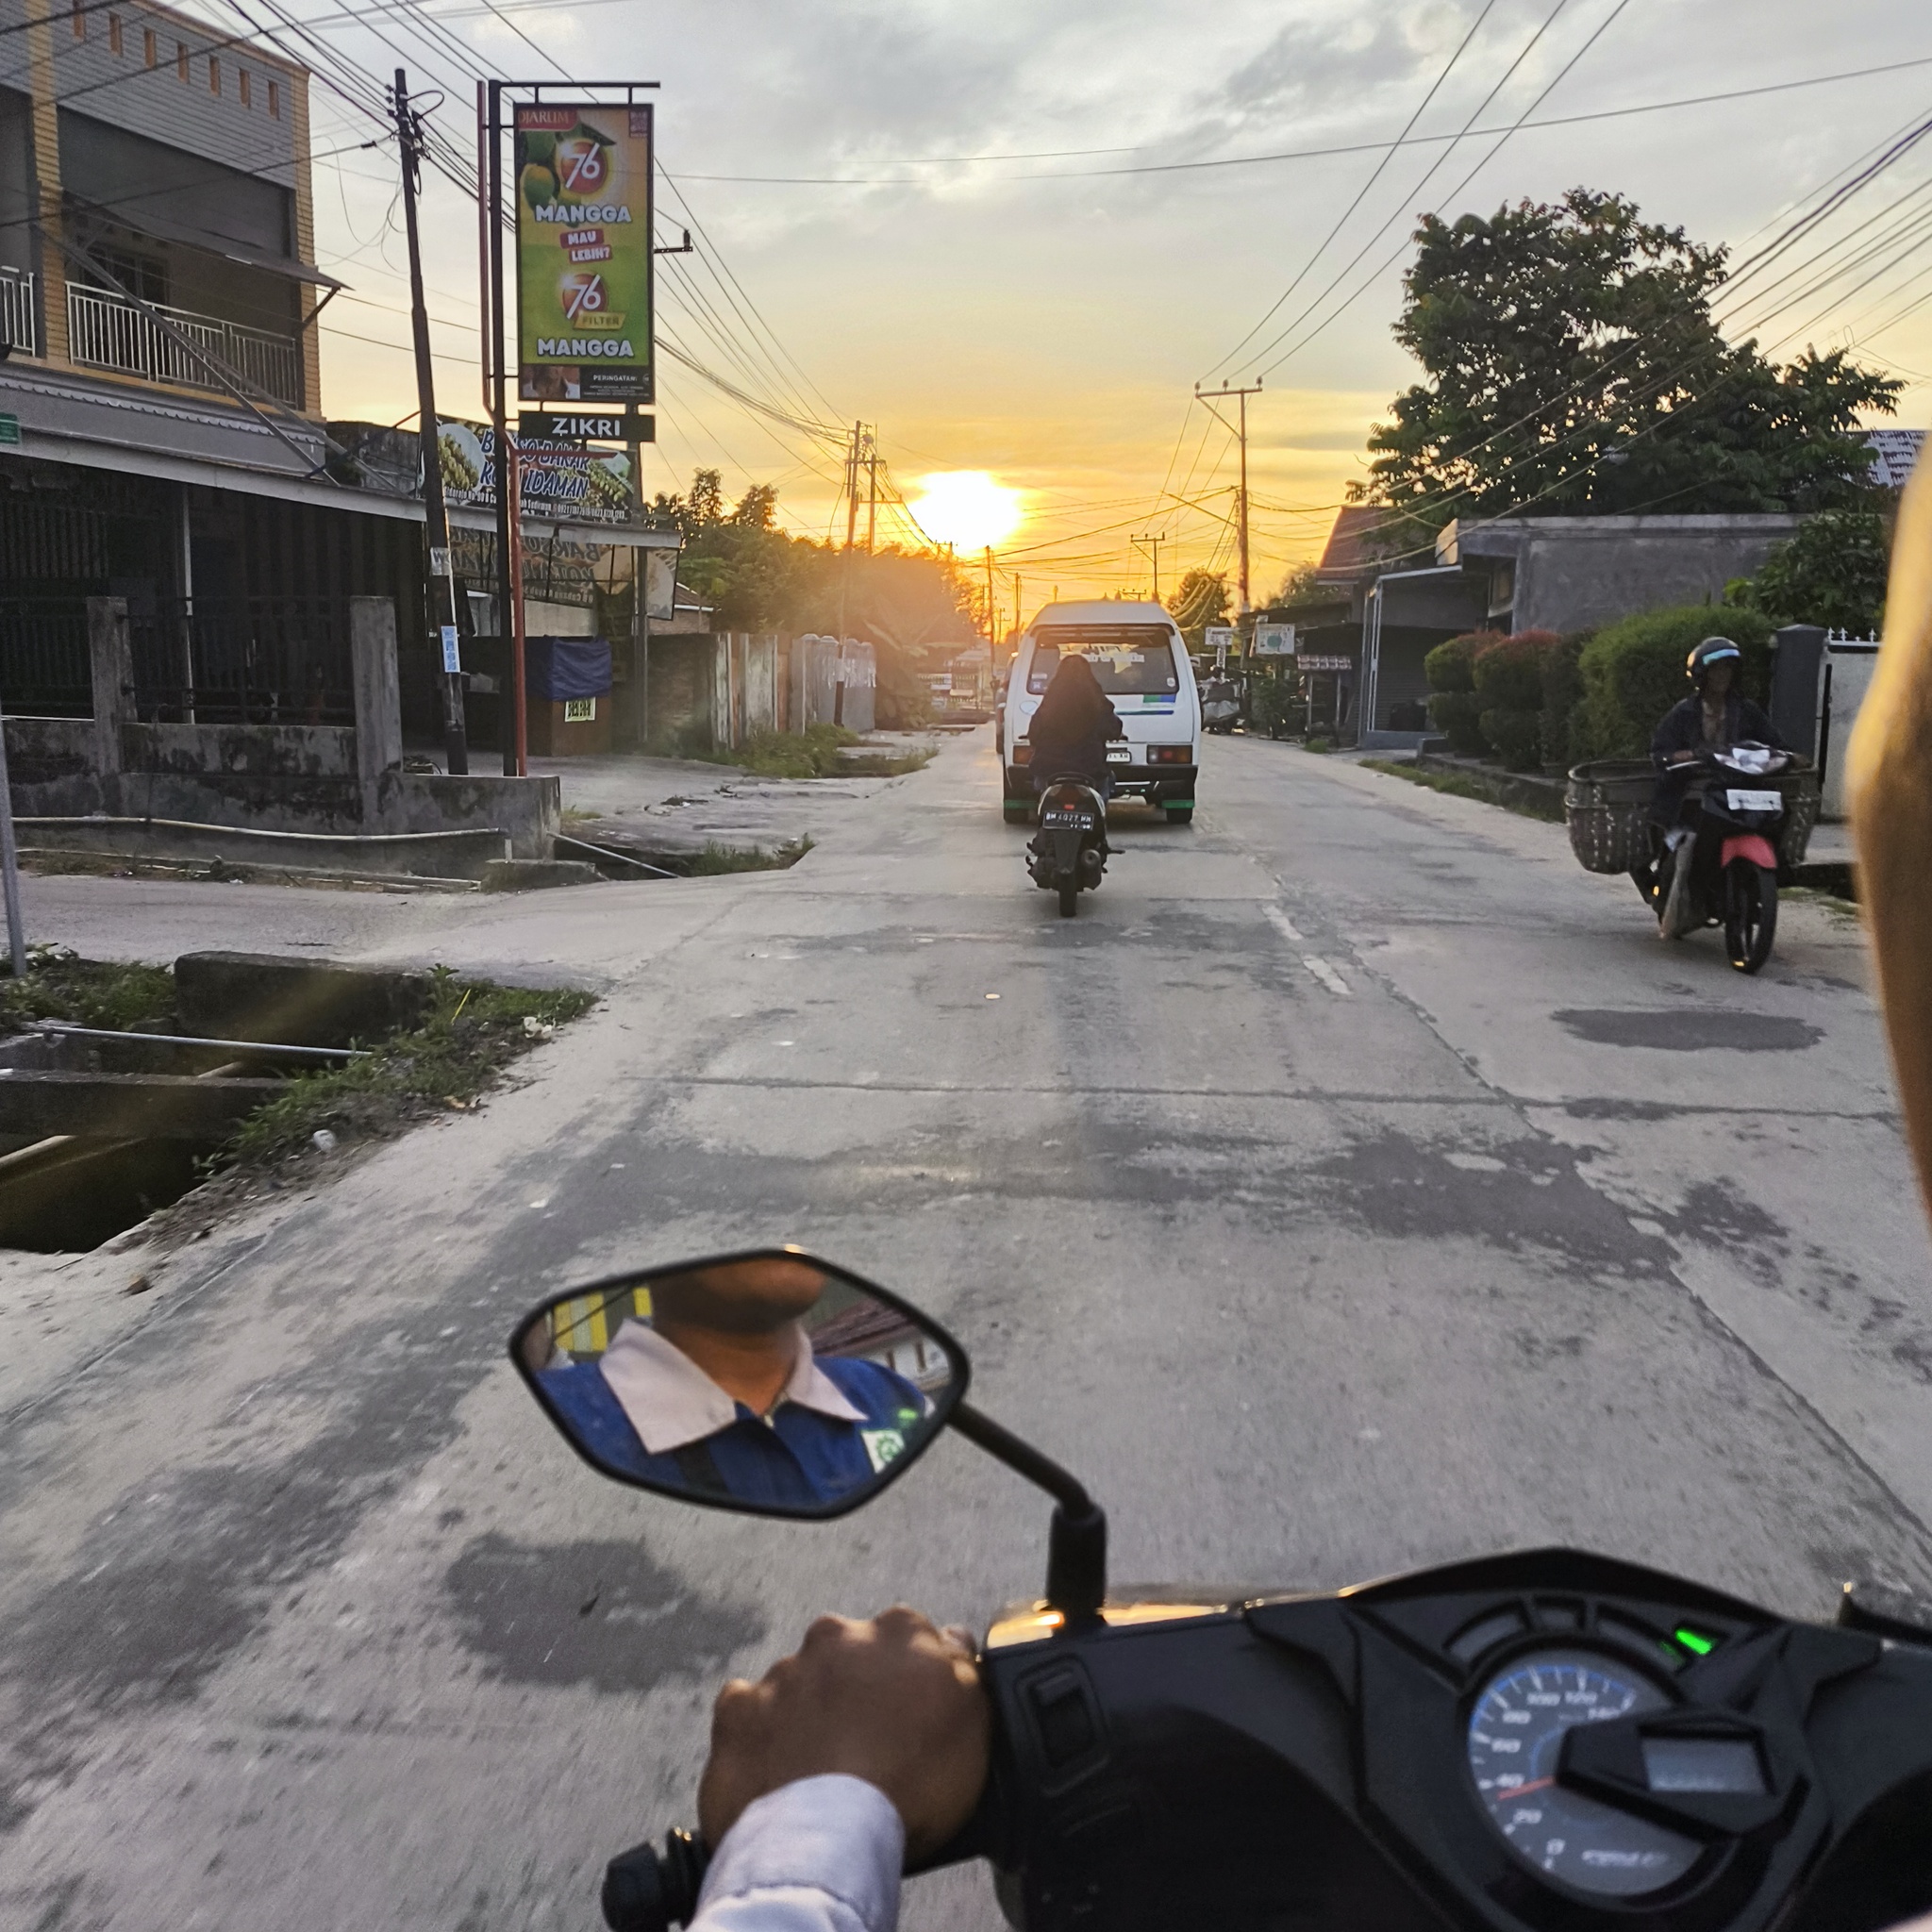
[1711, 651]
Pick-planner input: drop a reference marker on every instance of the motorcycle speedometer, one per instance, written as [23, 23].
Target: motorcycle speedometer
[1515, 1734]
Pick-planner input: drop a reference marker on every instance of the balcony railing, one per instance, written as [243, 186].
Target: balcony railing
[20, 311]
[105, 332]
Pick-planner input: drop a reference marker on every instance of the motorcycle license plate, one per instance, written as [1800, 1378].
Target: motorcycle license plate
[1080, 821]
[1755, 801]
[1120, 758]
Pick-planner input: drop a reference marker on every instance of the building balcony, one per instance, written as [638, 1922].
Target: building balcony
[20, 311]
[105, 332]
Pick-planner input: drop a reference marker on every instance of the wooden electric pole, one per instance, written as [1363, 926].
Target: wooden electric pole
[1211, 398]
[442, 582]
[1153, 544]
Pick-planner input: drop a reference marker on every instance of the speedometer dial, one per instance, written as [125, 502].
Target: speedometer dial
[1515, 1734]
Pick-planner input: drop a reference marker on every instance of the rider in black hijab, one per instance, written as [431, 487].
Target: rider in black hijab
[1070, 729]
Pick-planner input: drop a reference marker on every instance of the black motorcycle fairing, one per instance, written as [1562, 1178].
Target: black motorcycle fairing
[1302, 1760]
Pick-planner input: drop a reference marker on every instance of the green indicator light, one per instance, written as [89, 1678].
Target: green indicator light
[1695, 1642]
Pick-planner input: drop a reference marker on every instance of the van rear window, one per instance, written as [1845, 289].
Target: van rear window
[1127, 659]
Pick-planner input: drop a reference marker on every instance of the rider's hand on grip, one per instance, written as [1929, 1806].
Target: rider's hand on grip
[891, 1700]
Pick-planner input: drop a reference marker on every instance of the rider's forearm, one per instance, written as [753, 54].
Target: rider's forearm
[821, 1855]
[1889, 784]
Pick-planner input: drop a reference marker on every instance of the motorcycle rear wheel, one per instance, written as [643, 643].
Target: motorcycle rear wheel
[1750, 914]
[1070, 897]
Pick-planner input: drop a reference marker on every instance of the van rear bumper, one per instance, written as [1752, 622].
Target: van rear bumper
[1156, 784]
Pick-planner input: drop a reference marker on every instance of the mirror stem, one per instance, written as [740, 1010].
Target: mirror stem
[1076, 1553]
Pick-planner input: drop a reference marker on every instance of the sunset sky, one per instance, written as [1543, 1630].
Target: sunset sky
[1040, 319]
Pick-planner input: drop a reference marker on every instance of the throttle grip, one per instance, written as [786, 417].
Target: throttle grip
[645, 1890]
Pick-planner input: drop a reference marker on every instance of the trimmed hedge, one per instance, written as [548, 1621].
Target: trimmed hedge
[1563, 693]
[1633, 672]
[1454, 707]
[1509, 689]
[1452, 666]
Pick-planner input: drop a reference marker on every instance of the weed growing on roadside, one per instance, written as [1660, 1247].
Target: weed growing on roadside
[715, 858]
[471, 1031]
[59, 985]
[1457, 786]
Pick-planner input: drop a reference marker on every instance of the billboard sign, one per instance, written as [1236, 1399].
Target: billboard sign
[1274, 641]
[563, 481]
[1219, 637]
[583, 202]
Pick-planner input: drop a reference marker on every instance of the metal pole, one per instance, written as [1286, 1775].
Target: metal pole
[10, 866]
[992, 620]
[851, 529]
[435, 512]
[509, 699]
[872, 490]
[1244, 504]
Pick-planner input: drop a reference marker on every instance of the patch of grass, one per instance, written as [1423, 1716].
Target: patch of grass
[1317, 744]
[887, 765]
[471, 1031]
[812, 753]
[716, 860]
[1457, 786]
[577, 815]
[59, 985]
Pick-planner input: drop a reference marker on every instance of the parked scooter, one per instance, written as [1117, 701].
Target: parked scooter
[1530, 1742]
[1069, 852]
[1723, 869]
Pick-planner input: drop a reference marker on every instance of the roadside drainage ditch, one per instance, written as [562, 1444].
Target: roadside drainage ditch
[121, 1089]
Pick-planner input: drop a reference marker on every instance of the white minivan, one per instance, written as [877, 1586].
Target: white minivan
[1137, 652]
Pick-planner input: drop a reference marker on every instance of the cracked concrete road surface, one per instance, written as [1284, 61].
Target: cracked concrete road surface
[1353, 1184]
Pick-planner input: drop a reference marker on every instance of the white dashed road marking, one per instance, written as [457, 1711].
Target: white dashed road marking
[1326, 975]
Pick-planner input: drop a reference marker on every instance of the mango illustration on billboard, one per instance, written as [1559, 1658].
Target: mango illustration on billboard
[583, 178]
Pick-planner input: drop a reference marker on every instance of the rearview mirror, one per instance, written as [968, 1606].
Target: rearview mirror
[769, 1382]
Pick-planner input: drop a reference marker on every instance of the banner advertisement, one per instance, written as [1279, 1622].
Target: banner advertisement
[583, 253]
[1274, 641]
[562, 480]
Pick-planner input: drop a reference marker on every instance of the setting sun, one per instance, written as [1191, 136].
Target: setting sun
[967, 509]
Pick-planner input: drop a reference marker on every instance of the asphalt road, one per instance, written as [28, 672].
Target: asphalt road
[1355, 1184]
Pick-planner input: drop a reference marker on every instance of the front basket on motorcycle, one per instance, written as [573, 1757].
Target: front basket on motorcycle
[1803, 791]
[1606, 808]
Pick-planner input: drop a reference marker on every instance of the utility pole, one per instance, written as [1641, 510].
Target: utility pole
[992, 618]
[1153, 542]
[872, 487]
[851, 528]
[1211, 398]
[442, 582]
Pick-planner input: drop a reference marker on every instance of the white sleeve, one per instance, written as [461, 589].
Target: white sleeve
[821, 1855]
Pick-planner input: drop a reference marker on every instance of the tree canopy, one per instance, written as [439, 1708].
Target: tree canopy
[1832, 573]
[1201, 600]
[1572, 365]
[756, 577]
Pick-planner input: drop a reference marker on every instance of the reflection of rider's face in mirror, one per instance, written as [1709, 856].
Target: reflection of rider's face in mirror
[739, 1322]
[717, 1390]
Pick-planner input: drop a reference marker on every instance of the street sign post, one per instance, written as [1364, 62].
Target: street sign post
[568, 424]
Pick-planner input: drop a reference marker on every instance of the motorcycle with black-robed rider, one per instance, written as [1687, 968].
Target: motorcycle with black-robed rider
[1714, 821]
[1071, 735]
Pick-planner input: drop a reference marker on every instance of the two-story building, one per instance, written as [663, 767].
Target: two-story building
[162, 436]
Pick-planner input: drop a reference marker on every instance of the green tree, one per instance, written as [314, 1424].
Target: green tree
[1201, 600]
[1572, 363]
[1831, 572]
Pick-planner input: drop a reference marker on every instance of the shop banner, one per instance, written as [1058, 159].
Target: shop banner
[583, 253]
[559, 479]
